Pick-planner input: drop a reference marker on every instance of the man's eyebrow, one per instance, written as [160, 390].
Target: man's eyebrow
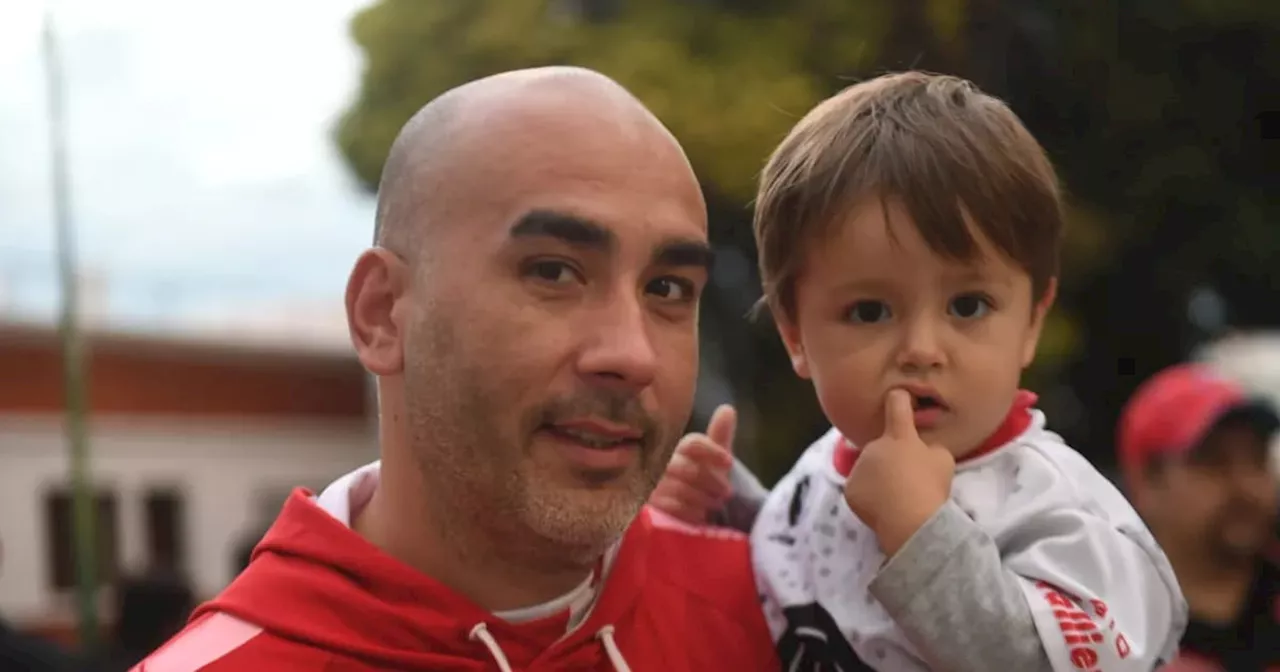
[567, 228]
[582, 232]
[684, 253]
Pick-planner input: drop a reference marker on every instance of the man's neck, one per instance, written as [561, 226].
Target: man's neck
[1216, 591]
[461, 557]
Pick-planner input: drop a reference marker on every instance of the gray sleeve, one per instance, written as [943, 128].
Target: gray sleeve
[740, 511]
[948, 591]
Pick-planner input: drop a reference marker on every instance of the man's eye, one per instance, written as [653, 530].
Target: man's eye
[868, 312]
[970, 306]
[557, 272]
[672, 289]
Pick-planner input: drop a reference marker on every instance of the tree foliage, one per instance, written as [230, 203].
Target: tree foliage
[729, 84]
[1155, 113]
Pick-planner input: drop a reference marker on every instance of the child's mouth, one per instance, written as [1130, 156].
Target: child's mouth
[925, 403]
[927, 410]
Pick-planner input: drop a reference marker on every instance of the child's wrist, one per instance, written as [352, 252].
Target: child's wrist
[893, 531]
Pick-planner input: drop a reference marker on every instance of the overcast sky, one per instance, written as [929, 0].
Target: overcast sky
[205, 182]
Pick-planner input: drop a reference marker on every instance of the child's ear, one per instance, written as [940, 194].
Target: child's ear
[1039, 312]
[791, 340]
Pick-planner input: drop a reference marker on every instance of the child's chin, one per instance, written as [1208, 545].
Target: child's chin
[958, 446]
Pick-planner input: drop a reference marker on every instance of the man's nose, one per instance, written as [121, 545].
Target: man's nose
[619, 350]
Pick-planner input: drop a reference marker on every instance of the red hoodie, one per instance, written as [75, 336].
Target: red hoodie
[318, 596]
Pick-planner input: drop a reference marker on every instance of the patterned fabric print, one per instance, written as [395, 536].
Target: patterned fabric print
[814, 562]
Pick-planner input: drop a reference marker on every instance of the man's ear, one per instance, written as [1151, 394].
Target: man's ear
[790, 334]
[375, 310]
[1039, 312]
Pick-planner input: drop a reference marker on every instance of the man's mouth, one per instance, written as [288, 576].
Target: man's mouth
[599, 436]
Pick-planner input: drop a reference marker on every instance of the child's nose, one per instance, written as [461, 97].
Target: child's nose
[921, 346]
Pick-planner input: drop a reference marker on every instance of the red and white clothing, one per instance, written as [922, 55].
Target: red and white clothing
[1037, 562]
[318, 596]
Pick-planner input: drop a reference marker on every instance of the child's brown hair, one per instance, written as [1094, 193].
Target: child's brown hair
[937, 143]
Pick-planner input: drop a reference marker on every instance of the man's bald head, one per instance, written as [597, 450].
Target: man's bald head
[463, 126]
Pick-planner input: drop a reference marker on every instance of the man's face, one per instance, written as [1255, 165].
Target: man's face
[876, 309]
[551, 332]
[1221, 497]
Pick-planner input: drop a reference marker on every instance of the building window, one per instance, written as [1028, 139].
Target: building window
[61, 537]
[166, 530]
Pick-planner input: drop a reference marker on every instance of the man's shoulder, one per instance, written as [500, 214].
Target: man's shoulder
[708, 563]
[699, 578]
[713, 544]
[218, 641]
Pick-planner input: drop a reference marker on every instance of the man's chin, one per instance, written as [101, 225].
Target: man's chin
[593, 517]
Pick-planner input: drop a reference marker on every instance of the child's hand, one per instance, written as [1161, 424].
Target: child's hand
[697, 478]
[898, 482]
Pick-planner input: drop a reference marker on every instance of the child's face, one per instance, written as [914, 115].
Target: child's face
[876, 309]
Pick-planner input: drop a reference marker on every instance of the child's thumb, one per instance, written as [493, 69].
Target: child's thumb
[721, 427]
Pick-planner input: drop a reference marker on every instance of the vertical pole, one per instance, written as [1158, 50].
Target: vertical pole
[72, 350]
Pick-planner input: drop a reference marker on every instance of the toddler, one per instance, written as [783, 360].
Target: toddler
[909, 231]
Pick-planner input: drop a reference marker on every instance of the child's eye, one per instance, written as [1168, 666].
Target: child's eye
[868, 312]
[969, 306]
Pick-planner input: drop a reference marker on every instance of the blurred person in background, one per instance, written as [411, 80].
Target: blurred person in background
[150, 609]
[530, 310]
[21, 652]
[1194, 453]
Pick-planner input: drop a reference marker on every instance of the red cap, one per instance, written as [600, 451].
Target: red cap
[1173, 411]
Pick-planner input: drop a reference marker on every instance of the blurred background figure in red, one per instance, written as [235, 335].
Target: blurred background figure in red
[1195, 450]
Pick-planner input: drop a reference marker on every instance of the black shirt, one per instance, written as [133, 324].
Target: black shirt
[1252, 642]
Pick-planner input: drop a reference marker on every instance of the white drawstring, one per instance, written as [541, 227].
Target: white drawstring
[481, 633]
[605, 635]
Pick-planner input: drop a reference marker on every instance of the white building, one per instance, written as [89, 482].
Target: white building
[193, 446]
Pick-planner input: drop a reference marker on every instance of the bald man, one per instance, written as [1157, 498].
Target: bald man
[530, 312]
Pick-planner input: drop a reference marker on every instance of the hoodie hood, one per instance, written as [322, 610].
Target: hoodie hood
[314, 580]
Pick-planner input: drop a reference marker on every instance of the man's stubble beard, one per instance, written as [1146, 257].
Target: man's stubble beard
[479, 480]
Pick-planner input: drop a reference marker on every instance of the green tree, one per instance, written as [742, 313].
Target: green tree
[728, 84]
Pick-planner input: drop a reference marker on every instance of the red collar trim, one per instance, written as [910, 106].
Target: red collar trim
[1015, 423]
